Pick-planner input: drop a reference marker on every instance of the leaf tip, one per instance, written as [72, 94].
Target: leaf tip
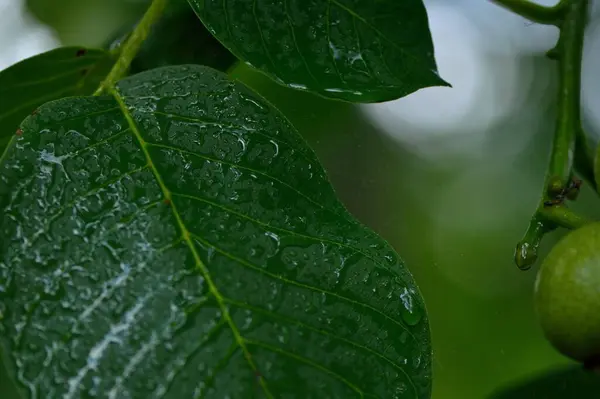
[441, 82]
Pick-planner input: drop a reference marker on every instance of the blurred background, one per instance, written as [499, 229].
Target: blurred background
[449, 176]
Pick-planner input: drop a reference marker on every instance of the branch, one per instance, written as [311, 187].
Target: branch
[132, 45]
[568, 52]
[534, 12]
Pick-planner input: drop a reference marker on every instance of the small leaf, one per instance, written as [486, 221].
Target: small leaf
[178, 37]
[180, 239]
[62, 72]
[354, 50]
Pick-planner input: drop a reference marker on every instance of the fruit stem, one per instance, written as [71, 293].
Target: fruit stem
[132, 45]
[568, 53]
[534, 12]
[563, 217]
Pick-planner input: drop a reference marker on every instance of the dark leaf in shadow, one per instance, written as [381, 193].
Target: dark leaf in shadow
[569, 382]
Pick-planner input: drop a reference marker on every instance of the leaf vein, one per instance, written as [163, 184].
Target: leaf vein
[283, 230]
[179, 366]
[77, 198]
[326, 333]
[292, 30]
[298, 284]
[354, 14]
[330, 44]
[237, 166]
[198, 261]
[229, 126]
[307, 361]
[209, 380]
[262, 39]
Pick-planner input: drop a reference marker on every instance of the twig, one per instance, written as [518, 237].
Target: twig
[568, 53]
[130, 48]
[534, 12]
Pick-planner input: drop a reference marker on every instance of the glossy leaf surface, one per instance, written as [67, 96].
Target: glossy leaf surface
[354, 50]
[63, 72]
[179, 238]
[178, 37]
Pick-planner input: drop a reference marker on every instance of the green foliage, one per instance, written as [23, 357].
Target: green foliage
[174, 236]
[354, 50]
[179, 236]
[67, 71]
[178, 37]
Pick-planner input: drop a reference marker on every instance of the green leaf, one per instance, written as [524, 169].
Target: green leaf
[179, 38]
[63, 72]
[354, 50]
[179, 238]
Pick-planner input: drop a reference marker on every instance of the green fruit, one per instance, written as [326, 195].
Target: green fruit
[567, 295]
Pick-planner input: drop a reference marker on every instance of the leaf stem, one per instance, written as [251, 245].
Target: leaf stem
[132, 45]
[534, 12]
[568, 52]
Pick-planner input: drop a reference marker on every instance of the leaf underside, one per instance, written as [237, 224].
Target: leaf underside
[62, 72]
[179, 239]
[353, 50]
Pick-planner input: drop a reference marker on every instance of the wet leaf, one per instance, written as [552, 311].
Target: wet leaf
[179, 238]
[178, 37]
[354, 50]
[63, 72]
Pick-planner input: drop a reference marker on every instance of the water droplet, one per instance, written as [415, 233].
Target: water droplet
[417, 361]
[284, 336]
[411, 314]
[298, 86]
[400, 390]
[334, 51]
[403, 337]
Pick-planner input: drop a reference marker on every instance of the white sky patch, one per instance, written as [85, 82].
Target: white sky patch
[508, 31]
[478, 49]
[459, 63]
[590, 92]
[21, 35]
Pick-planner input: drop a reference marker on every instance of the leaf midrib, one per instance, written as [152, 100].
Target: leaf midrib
[186, 237]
